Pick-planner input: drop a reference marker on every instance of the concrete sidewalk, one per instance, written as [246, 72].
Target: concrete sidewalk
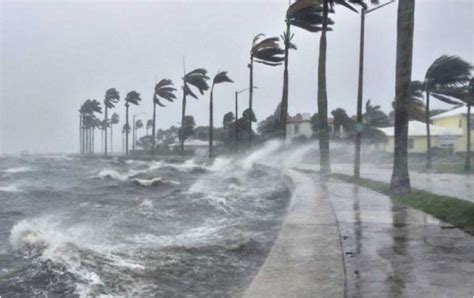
[341, 239]
[306, 259]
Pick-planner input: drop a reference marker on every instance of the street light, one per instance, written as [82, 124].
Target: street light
[360, 88]
[134, 130]
[237, 115]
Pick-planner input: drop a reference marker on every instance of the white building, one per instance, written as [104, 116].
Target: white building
[298, 126]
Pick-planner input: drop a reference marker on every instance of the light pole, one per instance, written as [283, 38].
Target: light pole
[237, 115]
[360, 88]
[134, 131]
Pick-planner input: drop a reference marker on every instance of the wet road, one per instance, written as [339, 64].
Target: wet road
[391, 250]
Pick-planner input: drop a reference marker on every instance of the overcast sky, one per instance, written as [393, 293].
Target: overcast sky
[56, 54]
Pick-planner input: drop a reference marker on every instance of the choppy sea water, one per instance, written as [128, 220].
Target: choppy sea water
[111, 227]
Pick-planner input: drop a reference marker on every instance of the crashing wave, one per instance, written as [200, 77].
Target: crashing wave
[154, 182]
[112, 174]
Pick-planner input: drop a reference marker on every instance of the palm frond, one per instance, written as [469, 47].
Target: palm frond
[267, 51]
[133, 97]
[221, 77]
[112, 97]
[447, 71]
[197, 78]
[166, 90]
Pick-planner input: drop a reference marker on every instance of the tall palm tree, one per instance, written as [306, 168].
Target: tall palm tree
[137, 126]
[113, 120]
[416, 106]
[266, 51]
[133, 97]
[400, 181]
[88, 121]
[111, 98]
[220, 77]
[149, 125]
[286, 37]
[444, 73]
[164, 89]
[313, 16]
[197, 78]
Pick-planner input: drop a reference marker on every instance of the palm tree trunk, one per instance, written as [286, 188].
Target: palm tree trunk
[360, 94]
[183, 113]
[126, 130]
[236, 122]
[250, 98]
[105, 129]
[400, 182]
[153, 131]
[80, 133]
[428, 133]
[322, 98]
[111, 140]
[284, 97]
[93, 140]
[211, 122]
[102, 140]
[467, 166]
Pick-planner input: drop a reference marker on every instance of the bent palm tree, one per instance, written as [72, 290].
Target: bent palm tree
[445, 73]
[164, 89]
[114, 120]
[400, 181]
[221, 77]
[197, 78]
[313, 16]
[466, 95]
[266, 51]
[286, 37]
[133, 97]
[112, 97]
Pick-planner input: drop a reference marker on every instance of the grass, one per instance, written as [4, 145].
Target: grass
[457, 212]
[453, 164]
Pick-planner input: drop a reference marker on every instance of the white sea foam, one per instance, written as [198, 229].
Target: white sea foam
[221, 163]
[18, 170]
[154, 181]
[10, 188]
[264, 152]
[109, 173]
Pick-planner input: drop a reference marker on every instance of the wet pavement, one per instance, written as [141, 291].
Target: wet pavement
[391, 250]
[454, 185]
[385, 249]
[306, 259]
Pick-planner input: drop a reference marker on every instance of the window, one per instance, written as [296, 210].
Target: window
[411, 143]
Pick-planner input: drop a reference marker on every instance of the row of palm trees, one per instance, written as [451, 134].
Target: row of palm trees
[314, 16]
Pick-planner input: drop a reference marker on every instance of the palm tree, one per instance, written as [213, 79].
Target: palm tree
[465, 94]
[133, 97]
[88, 121]
[416, 106]
[111, 98]
[149, 125]
[400, 181]
[221, 77]
[266, 51]
[444, 73]
[313, 16]
[137, 126]
[198, 79]
[164, 89]
[286, 37]
[114, 120]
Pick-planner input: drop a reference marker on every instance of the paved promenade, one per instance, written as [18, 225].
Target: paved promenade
[341, 239]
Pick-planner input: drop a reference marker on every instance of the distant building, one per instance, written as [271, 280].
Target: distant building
[299, 126]
[441, 137]
[456, 119]
[198, 147]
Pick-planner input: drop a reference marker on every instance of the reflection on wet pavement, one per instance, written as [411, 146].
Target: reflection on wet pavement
[395, 251]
